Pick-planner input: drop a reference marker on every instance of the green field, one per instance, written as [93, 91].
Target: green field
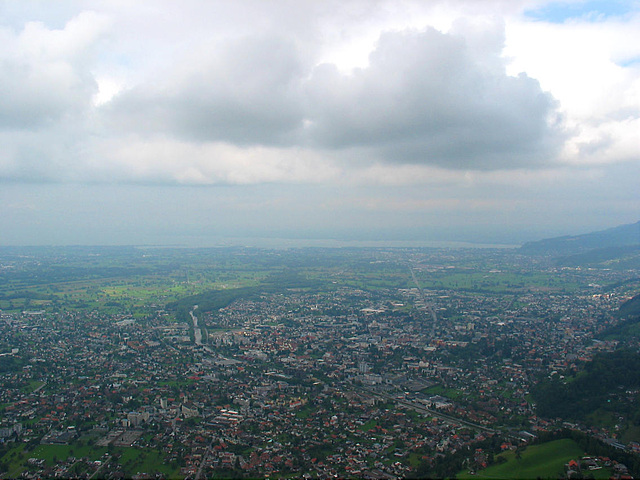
[15, 459]
[146, 460]
[450, 393]
[537, 461]
[499, 282]
[134, 460]
[138, 281]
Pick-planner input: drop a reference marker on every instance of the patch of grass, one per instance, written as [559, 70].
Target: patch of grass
[537, 461]
[145, 460]
[62, 452]
[602, 418]
[445, 392]
[368, 425]
[415, 459]
[304, 412]
[32, 385]
[14, 459]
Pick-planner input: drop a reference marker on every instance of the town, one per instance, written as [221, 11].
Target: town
[368, 363]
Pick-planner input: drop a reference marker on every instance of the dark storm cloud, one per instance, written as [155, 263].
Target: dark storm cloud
[425, 98]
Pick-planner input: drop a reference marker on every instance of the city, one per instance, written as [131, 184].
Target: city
[368, 363]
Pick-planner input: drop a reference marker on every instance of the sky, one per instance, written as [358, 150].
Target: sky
[206, 122]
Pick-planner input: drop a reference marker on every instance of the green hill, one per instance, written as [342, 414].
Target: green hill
[546, 460]
[597, 394]
[628, 328]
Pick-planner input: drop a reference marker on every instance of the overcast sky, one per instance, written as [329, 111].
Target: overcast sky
[195, 122]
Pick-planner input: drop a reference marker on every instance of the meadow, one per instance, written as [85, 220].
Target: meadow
[543, 461]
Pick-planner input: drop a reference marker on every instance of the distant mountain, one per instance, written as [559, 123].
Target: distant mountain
[612, 238]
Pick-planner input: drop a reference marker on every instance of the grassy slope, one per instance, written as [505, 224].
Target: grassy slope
[544, 461]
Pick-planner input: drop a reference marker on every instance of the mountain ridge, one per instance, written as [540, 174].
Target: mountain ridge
[615, 237]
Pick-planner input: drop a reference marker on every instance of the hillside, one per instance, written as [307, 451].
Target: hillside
[597, 393]
[630, 308]
[612, 238]
[618, 258]
[537, 461]
[628, 329]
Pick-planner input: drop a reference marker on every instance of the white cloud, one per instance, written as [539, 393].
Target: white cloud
[584, 64]
[425, 97]
[160, 160]
[45, 73]
[213, 74]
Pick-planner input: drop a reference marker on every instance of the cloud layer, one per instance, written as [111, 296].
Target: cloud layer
[426, 97]
[423, 96]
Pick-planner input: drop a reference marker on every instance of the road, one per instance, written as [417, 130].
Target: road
[107, 460]
[426, 303]
[44, 384]
[197, 331]
[205, 457]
